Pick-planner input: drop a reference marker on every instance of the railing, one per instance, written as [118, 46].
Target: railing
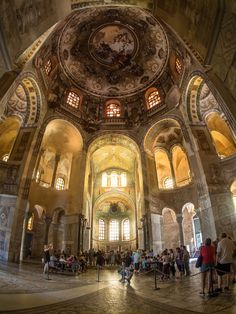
[118, 120]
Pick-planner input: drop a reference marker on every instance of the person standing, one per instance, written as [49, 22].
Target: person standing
[128, 267]
[207, 252]
[186, 257]
[225, 251]
[46, 256]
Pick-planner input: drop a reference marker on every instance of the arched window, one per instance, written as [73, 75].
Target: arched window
[30, 223]
[168, 183]
[60, 184]
[48, 67]
[37, 178]
[180, 166]
[178, 65]
[123, 179]
[114, 230]
[233, 191]
[101, 229]
[126, 230]
[5, 157]
[221, 135]
[104, 179]
[73, 99]
[114, 179]
[113, 110]
[154, 99]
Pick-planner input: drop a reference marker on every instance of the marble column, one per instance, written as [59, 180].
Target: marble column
[57, 159]
[48, 220]
[179, 219]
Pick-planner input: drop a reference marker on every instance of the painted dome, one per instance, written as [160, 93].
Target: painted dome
[113, 52]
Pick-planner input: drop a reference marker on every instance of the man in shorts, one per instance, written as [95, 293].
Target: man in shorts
[225, 250]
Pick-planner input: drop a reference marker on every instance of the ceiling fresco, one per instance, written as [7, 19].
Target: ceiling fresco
[113, 52]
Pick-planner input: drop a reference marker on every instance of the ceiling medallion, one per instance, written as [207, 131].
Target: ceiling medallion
[111, 52]
[113, 45]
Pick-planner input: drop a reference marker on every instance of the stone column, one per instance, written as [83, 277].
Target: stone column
[48, 220]
[157, 232]
[179, 219]
[55, 235]
[57, 159]
[141, 234]
[38, 162]
[83, 225]
[172, 170]
[81, 222]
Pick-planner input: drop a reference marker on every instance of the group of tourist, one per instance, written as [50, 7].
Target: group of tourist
[218, 262]
[60, 261]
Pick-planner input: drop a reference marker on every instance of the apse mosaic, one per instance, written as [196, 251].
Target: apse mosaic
[112, 51]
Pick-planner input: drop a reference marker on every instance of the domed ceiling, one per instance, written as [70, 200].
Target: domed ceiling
[113, 52]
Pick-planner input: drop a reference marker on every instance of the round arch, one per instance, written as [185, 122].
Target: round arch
[170, 229]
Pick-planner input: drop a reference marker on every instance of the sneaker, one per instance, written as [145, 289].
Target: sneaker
[202, 293]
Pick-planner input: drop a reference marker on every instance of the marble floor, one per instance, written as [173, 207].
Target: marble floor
[23, 290]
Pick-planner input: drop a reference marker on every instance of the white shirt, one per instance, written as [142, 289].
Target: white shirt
[225, 249]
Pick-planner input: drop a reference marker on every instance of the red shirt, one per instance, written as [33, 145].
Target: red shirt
[208, 254]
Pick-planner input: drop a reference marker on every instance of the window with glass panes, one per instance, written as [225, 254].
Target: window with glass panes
[30, 223]
[73, 100]
[5, 157]
[101, 229]
[114, 230]
[104, 179]
[178, 66]
[60, 184]
[168, 183]
[154, 99]
[114, 179]
[126, 230]
[113, 110]
[48, 67]
[123, 179]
